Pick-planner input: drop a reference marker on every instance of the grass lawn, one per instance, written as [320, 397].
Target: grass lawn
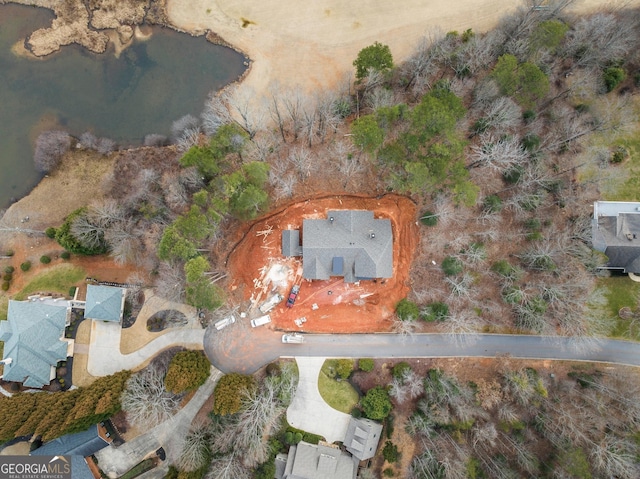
[339, 395]
[619, 292]
[57, 279]
[629, 190]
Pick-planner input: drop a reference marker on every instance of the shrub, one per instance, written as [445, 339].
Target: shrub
[531, 142]
[400, 369]
[376, 404]
[366, 364]
[390, 452]
[344, 368]
[229, 391]
[9, 269]
[388, 472]
[619, 155]
[612, 77]
[26, 266]
[436, 311]
[44, 259]
[356, 412]
[5, 286]
[513, 175]
[72, 291]
[407, 310]
[8, 276]
[65, 255]
[506, 269]
[492, 204]
[188, 370]
[50, 148]
[50, 232]
[451, 266]
[528, 116]
[428, 218]
[532, 224]
[9, 252]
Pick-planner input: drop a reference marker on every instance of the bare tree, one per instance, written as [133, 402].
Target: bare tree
[194, 448]
[145, 399]
[89, 140]
[182, 124]
[228, 467]
[155, 139]
[170, 283]
[292, 101]
[498, 154]
[595, 40]
[106, 146]
[302, 162]
[50, 147]
[214, 115]
[248, 113]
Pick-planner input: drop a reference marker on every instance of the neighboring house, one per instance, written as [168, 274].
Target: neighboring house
[348, 243]
[310, 461]
[34, 340]
[78, 446]
[616, 233]
[104, 303]
[362, 438]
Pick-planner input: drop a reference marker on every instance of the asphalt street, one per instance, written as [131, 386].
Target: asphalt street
[247, 357]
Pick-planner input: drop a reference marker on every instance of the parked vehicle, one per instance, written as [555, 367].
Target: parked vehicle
[270, 303]
[293, 295]
[261, 320]
[224, 322]
[293, 338]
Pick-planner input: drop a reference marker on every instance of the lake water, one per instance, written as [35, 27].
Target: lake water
[152, 84]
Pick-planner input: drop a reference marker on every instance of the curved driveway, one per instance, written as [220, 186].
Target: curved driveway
[253, 349]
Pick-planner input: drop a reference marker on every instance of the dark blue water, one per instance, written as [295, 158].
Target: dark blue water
[152, 84]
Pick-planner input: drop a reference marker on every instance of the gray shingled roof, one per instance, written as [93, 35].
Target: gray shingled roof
[362, 437]
[365, 245]
[310, 461]
[616, 233]
[104, 303]
[32, 338]
[83, 444]
[291, 243]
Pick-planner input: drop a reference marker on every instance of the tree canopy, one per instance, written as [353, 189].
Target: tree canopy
[376, 403]
[188, 370]
[376, 56]
[229, 391]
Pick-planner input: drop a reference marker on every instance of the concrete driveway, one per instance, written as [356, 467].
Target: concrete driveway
[308, 411]
[168, 435]
[104, 347]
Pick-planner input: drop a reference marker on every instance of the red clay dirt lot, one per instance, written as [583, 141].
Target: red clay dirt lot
[258, 270]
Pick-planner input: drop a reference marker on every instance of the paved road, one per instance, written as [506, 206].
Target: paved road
[247, 357]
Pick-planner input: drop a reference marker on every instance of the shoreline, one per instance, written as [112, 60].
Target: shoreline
[277, 39]
[323, 39]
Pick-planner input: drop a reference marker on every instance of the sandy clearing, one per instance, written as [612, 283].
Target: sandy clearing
[312, 44]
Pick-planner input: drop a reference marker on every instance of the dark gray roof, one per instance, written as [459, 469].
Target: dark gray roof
[80, 468]
[365, 245]
[291, 243]
[32, 338]
[362, 437]
[616, 233]
[311, 461]
[83, 444]
[104, 303]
